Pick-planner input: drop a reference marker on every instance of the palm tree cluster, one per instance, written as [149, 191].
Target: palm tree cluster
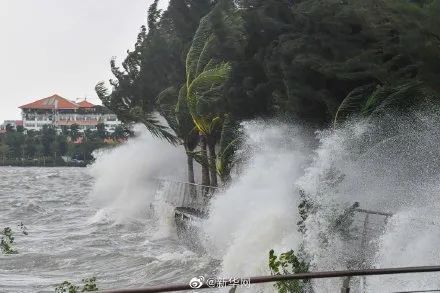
[205, 66]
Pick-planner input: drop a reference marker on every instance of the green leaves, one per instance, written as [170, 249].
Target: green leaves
[319, 61]
[205, 95]
[137, 113]
[220, 36]
[66, 287]
[166, 103]
[206, 67]
[6, 243]
[353, 102]
[198, 54]
[154, 126]
[375, 100]
[400, 97]
[230, 141]
[323, 62]
[287, 263]
[89, 285]
[204, 75]
[220, 33]
[102, 91]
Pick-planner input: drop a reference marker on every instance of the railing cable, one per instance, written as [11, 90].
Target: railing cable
[280, 278]
[419, 291]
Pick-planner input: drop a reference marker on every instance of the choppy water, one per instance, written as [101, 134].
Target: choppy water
[82, 226]
[69, 239]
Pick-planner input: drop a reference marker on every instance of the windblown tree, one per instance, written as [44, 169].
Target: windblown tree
[205, 66]
[329, 50]
[230, 141]
[173, 107]
[409, 66]
[220, 35]
[156, 64]
[320, 61]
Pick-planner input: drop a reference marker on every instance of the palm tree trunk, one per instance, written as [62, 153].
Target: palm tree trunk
[190, 164]
[212, 167]
[205, 163]
[191, 187]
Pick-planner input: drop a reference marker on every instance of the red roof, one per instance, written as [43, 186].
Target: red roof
[52, 102]
[85, 104]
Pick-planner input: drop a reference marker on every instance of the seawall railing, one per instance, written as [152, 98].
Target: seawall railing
[187, 195]
[234, 283]
[358, 226]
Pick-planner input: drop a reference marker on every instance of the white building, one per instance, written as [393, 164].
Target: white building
[60, 112]
[12, 123]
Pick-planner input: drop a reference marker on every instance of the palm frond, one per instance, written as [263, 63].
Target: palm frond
[185, 123]
[353, 102]
[205, 82]
[206, 73]
[153, 125]
[198, 45]
[199, 157]
[404, 96]
[230, 141]
[205, 55]
[400, 96]
[223, 25]
[166, 103]
[102, 91]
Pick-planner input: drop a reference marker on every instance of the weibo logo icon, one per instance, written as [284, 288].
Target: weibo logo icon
[196, 282]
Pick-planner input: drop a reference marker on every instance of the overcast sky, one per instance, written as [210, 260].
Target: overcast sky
[62, 47]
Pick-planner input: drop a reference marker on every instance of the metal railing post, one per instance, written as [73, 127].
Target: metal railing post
[346, 285]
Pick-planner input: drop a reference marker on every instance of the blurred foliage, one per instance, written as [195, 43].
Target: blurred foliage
[48, 146]
[317, 61]
[7, 241]
[286, 264]
[89, 285]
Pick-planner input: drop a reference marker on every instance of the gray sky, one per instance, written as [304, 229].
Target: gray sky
[62, 46]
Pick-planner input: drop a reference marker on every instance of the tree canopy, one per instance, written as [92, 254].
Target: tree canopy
[202, 63]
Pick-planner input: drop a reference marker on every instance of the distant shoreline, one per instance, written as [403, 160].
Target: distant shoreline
[41, 164]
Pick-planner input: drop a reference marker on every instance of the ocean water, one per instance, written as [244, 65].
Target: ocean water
[110, 220]
[70, 238]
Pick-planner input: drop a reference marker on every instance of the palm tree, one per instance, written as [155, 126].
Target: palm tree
[173, 107]
[374, 99]
[208, 123]
[230, 140]
[206, 75]
[139, 115]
